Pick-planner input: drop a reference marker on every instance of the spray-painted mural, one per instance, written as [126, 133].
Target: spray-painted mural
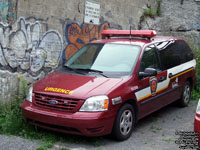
[195, 40]
[25, 48]
[7, 10]
[194, 37]
[77, 36]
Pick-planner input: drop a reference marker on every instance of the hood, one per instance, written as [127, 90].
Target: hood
[75, 86]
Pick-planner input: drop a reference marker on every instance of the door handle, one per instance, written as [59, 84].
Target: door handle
[170, 75]
[161, 79]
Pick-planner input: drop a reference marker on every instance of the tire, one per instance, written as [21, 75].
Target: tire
[186, 95]
[124, 123]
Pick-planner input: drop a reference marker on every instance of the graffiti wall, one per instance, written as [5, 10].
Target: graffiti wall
[196, 40]
[25, 48]
[77, 36]
[8, 10]
[196, 36]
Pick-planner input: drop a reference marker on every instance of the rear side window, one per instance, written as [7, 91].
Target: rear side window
[174, 53]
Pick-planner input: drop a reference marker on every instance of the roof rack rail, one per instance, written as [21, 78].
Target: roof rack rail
[127, 33]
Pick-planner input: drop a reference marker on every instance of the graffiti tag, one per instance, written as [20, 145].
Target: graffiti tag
[77, 36]
[27, 49]
[4, 9]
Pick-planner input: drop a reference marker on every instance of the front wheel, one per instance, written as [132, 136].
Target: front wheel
[124, 123]
[186, 95]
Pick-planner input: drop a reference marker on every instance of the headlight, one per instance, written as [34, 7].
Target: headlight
[29, 94]
[96, 103]
[198, 108]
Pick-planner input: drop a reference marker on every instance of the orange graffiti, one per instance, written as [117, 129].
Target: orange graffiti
[77, 36]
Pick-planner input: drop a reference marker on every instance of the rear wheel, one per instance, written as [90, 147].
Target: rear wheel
[186, 94]
[124, 123]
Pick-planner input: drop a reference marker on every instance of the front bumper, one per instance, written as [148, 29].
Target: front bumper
[81, 123]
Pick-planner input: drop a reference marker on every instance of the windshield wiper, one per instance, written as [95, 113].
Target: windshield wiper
[78, 70]
[92, 70]
[75, 70]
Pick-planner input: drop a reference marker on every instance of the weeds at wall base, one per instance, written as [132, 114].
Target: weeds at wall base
[12, 123]
[196, 91]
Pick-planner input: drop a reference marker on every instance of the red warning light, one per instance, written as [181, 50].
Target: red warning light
[133, 33]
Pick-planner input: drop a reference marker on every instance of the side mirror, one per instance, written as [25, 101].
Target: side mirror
[148, 72]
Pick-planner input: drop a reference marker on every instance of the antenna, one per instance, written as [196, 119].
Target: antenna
[130, 33]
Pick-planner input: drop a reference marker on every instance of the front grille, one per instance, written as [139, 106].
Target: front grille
[63, 103]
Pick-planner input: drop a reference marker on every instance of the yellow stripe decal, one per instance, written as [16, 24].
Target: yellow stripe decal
[182, 73]
[167, 85]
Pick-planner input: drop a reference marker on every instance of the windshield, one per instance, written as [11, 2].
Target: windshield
[111, 59]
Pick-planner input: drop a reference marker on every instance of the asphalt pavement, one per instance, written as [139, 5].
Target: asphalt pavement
[157, 131]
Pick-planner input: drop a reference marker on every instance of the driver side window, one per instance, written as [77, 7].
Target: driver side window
[150, 59]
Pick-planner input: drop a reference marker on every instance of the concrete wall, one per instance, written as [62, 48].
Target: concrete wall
[36, 34]
[179, 18]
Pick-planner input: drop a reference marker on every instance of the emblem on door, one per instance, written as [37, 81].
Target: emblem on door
[153, 85]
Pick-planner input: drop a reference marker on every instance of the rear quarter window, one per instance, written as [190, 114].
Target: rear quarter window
[174, 53]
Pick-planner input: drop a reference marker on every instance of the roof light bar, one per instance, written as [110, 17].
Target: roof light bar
[133, 33]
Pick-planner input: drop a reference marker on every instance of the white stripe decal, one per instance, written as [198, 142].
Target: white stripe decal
[146, 92]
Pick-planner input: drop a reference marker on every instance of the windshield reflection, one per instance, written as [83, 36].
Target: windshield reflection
[110, 59]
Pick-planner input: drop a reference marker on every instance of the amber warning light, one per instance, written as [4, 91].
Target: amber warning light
[133, 33]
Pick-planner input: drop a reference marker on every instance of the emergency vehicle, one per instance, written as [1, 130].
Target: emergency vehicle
[109, 84]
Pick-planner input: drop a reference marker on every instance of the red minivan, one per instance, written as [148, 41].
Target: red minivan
[109, 84]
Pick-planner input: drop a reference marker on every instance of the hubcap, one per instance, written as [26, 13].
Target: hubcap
[126, 122]
[186, 94]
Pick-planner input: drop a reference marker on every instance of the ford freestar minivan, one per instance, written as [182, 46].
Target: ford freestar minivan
[111, 83]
